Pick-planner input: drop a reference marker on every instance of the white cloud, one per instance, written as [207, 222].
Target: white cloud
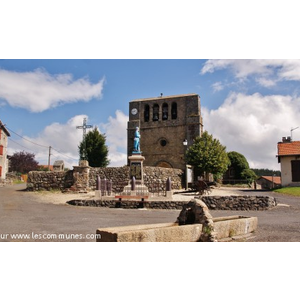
[116, 137]
[217, 86]
[38, 90]
[65, 138]
[269, 71]
[253, 125]
[266, 82]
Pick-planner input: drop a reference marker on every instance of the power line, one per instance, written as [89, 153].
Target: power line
[26, 139]
[64, 154]
[34, 143]
[10, 139]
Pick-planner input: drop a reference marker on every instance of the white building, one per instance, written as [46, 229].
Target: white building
[4, 134]
[289, 159]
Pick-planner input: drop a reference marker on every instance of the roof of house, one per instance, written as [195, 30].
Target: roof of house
[289, 148]
[4, 129]
[275, 179]
[46, 167]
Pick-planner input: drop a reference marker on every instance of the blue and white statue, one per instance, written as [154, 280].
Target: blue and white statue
[136, 141]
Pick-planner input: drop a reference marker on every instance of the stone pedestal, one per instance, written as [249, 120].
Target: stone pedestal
[81, 177]
[136, 170]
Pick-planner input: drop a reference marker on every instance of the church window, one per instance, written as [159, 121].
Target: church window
[147, 113]
[163, 142]
[165, 111]
[174, 111]
[155, 112]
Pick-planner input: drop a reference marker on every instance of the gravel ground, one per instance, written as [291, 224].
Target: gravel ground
[61, 198]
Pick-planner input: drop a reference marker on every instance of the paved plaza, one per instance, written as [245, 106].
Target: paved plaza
[31, 216]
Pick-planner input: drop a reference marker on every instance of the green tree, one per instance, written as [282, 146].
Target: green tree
[93, 149]
[266, 172]
[238, 163]
[248, 175]
[207, 155]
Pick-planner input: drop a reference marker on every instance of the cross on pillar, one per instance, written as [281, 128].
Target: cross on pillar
[84, 127]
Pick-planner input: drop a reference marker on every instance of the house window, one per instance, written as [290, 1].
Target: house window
[174, 111]
[0, 133]
[147, 113]
[1, 150]
[165, 109]
[155, 112]
[0, 171]
[295, 170]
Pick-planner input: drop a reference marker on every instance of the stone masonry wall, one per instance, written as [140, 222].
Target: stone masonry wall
[239, 202]
[212, 202]
[41, 180]
[154, 178]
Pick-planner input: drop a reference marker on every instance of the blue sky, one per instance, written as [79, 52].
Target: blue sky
[247, 104]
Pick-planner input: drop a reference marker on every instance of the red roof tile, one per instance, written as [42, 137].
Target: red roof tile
[292, 148]
[275, 179]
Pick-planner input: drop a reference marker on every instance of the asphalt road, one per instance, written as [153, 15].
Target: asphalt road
[24, 219]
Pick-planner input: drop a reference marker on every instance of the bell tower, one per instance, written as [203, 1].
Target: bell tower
[168, 126]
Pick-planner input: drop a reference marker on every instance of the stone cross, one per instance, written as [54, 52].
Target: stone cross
[84, 127]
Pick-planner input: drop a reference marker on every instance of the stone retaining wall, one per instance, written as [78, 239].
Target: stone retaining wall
[154, 178]
[41, 180]
[212, 202]
[239, 202]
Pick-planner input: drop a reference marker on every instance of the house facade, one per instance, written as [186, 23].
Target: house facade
[268, 182]
[168, 126]
[4, 134]
[288, 153]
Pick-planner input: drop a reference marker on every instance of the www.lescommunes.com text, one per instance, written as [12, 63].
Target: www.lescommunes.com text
[49, 236]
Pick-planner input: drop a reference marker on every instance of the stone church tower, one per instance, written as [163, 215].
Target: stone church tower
[165, 122]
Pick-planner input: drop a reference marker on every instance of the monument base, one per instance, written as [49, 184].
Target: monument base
[136, 171]
[140, 189]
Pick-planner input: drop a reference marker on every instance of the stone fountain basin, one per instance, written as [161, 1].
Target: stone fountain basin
[225, 227]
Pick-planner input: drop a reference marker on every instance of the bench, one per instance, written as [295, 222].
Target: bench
[142, 197]
[139, 197]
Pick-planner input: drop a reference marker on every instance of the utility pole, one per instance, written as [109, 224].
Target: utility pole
[84, 127]
[49, 158]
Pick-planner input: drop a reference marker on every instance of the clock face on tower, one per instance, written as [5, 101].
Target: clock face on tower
[134, 111]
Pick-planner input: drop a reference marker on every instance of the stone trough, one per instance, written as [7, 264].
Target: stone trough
[194, 224]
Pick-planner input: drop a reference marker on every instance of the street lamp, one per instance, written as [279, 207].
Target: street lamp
[185, 143]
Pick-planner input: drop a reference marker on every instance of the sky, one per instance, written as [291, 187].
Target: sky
[248, 104]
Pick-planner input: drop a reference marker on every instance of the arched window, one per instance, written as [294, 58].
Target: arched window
[155, 112]
[165, 109]
[147, 113]
[174, 111]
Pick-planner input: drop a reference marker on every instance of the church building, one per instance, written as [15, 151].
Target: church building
[168, 125]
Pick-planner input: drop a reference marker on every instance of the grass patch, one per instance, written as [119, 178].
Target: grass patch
[294, 191]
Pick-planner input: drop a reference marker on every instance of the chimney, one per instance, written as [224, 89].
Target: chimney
[286, 139]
